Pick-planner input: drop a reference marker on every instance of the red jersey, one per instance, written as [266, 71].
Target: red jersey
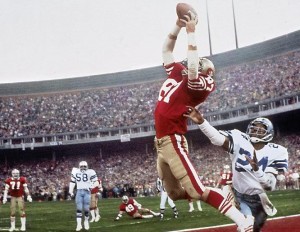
[16, 186]
[130, 208]
[226, 178]
[97, 188]
[176, 93]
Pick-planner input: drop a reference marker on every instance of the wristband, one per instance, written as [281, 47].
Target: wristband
[191, 39]
[175, 31]
[172, 37]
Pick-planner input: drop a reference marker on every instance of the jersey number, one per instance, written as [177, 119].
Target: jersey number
[168, 88]
[82, 177]
[15, 184]
[225, 176]
[129, 208]
[263, 162]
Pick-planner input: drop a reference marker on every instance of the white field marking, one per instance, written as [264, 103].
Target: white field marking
[6, 229]
[232, 224]
[34, 219]
[135, 221]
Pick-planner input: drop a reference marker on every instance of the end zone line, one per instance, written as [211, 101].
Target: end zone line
[232, 224]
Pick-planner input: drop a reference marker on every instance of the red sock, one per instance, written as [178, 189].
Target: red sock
[215, 199]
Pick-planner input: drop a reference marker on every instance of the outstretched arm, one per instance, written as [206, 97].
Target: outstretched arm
[169, 43]
[212, 133]
[192, 52]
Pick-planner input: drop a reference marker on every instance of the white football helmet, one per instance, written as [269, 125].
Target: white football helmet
[83, 166]
[125, 199]
[206, 67]
[226, 168]
[15, 173]
[258, 133]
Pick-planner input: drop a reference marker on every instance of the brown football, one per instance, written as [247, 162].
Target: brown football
[183, 9]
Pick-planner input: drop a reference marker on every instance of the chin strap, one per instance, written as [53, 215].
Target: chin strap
[256, 140]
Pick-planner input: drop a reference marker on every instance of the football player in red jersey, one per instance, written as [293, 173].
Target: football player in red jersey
[225, 183]
[188, 84]
[134, 209]
[16, 186]
[94, 210]
[225, 177]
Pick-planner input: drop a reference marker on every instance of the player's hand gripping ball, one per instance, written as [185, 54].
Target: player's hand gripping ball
[183, 9]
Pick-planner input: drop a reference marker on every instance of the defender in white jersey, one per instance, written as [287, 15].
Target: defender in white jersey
[85, 179]
[255, 163]
[164, 198]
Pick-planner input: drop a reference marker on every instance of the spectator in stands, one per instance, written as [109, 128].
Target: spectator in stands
[84, 110]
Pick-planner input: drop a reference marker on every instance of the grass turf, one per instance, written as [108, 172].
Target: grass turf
[60, 216]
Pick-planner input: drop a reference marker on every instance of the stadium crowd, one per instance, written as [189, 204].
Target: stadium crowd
[115, 107]
[133, 172]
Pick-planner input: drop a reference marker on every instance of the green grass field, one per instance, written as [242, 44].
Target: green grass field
[60, 216]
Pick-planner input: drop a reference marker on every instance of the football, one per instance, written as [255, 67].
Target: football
[183, 9]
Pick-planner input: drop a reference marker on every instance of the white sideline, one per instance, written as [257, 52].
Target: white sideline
[232, 224]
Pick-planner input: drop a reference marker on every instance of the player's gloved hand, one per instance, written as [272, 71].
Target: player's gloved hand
[71, 194]
[29, 198]
[4, 200]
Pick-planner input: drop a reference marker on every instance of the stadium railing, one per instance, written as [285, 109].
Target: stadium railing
[239, 114]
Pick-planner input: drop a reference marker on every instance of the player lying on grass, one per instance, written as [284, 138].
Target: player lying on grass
[134, 209]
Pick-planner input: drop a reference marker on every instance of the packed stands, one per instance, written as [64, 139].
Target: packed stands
[114, 107]
[131, 170]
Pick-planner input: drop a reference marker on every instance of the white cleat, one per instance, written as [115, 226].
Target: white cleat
[12, 229]
[191, 210]
[92, 220]
[86, 225]
[247, 225]
[97, 218]
[79, 228]
[200, 209]
[22, 228]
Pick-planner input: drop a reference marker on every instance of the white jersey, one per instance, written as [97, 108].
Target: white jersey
[84, 179]
[159, 185]
[270, 158]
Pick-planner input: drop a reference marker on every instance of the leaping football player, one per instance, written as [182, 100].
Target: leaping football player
[188, 83]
